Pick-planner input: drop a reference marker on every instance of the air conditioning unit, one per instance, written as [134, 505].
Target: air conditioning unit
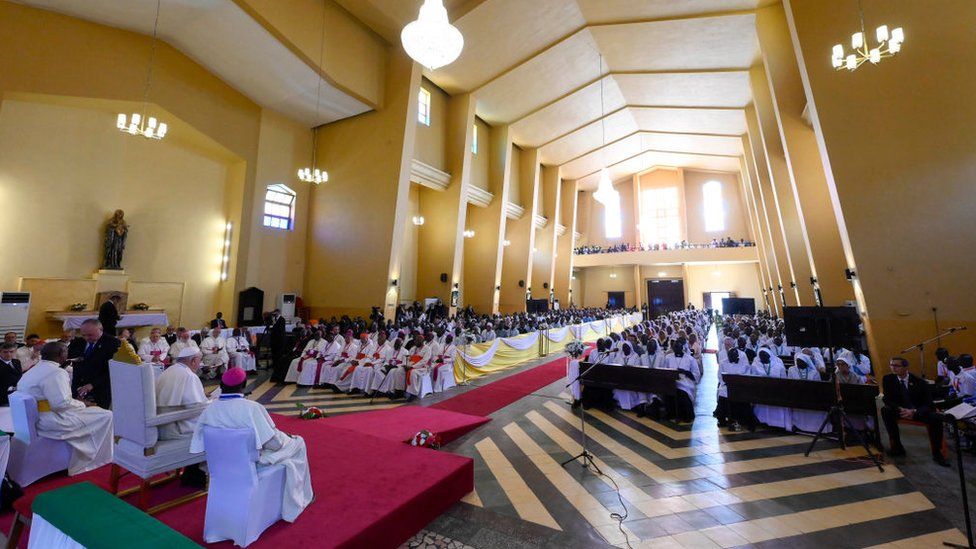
[14, 307]
[286, 304]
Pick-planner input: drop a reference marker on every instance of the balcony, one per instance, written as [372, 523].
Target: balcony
[669, 257]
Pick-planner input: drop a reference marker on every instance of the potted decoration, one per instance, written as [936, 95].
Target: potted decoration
[426, 439]
[140, 307]
[77, 307]
[575, 349]
[309, 412]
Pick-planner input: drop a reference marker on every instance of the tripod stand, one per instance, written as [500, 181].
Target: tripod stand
[962, 485]
[921, 346]
[584, 454]
[837, 410]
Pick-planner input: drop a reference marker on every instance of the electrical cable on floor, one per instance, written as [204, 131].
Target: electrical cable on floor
[617, 516]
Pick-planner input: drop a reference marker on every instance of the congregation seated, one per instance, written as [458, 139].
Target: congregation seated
[232, 410]
[727, 242]
[87, 430]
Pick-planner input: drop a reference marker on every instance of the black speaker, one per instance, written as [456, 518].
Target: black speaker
[443, 277]
[521, 283]
[250, 306]
[822, 326]
[545, 285]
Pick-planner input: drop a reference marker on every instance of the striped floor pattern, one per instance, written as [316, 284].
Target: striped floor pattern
[284, 399]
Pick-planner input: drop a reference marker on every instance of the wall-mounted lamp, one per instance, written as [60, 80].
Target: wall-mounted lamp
[849, 274]
[418, 220]
[813, 280]
[468, 233]
[393, 282]
[225, 257]
[456, 285]
[498, 287]
[534, 249]
[506, 242]
[662, 274]
[792, 284]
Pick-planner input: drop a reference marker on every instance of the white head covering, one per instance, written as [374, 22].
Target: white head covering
[187, 352]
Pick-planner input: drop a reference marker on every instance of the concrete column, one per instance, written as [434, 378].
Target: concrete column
[483, 253]
[803, 157]
[543, 261]
[757, 235]
[441, 243]
[517, 259]
[568, 198]
[783, 189]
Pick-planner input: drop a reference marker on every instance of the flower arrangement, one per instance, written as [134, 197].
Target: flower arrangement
[426, 439]
[77, 307]
[140, 307]
[575, 349]
[309, 412]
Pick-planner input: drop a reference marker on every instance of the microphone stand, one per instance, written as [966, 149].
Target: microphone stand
[921, 345]
[962, 486]
[584, 454]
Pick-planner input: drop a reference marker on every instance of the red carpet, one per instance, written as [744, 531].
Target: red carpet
[400, 424]
[499, 394]
[370, 492]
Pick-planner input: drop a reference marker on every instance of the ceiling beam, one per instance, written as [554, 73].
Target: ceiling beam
[651, 132]
[587, 26]
[605, 145]
[578, 128]
[629, 158]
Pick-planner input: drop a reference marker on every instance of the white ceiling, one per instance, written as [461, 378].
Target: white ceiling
[223, 38]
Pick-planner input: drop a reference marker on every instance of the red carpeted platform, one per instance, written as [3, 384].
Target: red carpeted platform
[370, 491]
[499, 394]
[401, 424]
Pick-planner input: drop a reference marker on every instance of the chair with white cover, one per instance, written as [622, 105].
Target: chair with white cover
[245, 498]
[137, 447]
[445, 376]
[32, 456]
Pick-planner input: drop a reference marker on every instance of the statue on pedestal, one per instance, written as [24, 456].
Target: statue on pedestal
[116, 231]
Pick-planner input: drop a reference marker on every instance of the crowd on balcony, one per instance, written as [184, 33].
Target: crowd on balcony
[727, 242]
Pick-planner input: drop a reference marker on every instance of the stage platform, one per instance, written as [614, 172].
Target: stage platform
[370, 491]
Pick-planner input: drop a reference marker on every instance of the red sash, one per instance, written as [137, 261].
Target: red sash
[348, 371]
[318, 369]
[360, 356]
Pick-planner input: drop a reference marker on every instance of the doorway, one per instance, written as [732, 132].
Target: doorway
[665, 295]
[615, 300]
[713, 300]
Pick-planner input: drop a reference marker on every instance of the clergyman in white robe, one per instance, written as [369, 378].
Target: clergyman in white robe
[367, 348]
[239, 352]
[179, 387]
[362, 378]
[215, 358]
[233, 411]
[87, 430]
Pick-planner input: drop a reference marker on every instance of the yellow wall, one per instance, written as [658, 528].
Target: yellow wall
[173, 196]
[514, 182]
[480, 161]
[595, 229]
[429, 147]
[741, 278]
[596, 282]
[408, 260]
[736, 225]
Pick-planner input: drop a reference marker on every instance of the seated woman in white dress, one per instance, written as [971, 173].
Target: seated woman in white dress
[766, 364]
[805, 420]
[239, 351]
[688, 375]
[628, 400]
[739, 413]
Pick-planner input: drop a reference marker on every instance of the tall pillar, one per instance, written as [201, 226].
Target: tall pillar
[352, 258]
[483, 253]
[568, 197]
[517, 258]
[763, 193]
[803, 157]
[441, 244]
[543, 262]
[782, 189]
[757, 235]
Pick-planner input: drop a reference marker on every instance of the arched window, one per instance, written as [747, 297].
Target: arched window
[714, 207]
[279, 207]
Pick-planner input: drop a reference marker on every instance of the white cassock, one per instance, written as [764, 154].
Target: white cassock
[87, 430]
[442, 368]
[175, 348]
[393, 363]
[313, 369]
[308, 352]
[629, 399]
[655, 360]
[236, 412]
[805, 420]
[421, 368]
[396, 379]
[178, 388]
[239, 352]
[214, 353]
[774, 416]
[687, 385]
[154, 353]
[335, 367]
[362, 378]
[347, 369]
[741, 367]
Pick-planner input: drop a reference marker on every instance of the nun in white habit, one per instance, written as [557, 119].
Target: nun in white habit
[766, 364]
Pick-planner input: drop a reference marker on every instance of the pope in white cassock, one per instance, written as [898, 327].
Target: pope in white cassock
[177, 388]
[87, 430]
[233, 411]
[183, 341]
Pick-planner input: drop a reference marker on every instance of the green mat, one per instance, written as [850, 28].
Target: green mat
[97, 519]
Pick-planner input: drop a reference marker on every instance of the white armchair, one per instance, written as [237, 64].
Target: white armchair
[137, 445]
[32, 457]
[244, 498]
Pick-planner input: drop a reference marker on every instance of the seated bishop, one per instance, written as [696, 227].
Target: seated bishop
[239, 351]
[177, 388]
[367, 348]
[215, 358]
[233, 411]
[154, 350]
[88, 430]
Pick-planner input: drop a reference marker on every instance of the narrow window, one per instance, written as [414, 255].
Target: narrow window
[474, 139]
[714, 208]
[423, 107]
[279, 207]
[611, 220]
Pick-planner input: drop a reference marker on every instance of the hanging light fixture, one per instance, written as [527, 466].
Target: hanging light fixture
[888, 44]
[418, 220]
[313, 174]
[137, 123]
[431, 40]
[605, 193]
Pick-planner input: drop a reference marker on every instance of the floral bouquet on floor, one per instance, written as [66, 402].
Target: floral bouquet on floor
[309, 412]
[426, 439]
[575, 349]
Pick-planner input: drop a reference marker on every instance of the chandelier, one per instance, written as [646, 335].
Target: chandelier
[888, 44]
[313, 174]
[431, 40]
[605, 193]
[137, 124]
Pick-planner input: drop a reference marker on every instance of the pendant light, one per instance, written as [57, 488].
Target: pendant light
[313, 174]
[605, 192]
[139, 124]
[431, 40]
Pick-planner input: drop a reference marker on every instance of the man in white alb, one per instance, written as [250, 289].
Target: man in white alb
[87, 430]
[215, 357]
[183, 340]
[177, 388]
[154, 350]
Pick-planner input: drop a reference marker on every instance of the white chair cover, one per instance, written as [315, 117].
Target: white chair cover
[32, 457]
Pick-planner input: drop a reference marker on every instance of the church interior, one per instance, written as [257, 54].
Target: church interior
[487, 273]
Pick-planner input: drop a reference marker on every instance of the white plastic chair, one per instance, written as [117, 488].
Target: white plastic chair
[32, 457]
[445, 377]
[245, 498]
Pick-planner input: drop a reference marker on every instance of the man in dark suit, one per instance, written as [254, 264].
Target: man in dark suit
[10, 371]
[219, 321]
[276, 336]
[907, 397]
[90, 379]
[108, 314]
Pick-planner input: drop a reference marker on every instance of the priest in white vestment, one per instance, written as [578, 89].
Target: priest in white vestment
[183, 340]
[348, 351]
[628, 400]
[215, 356]
[383, 372]
[362, 378]
[310, 351]
[442, 368]
[87, 430]
[367, 347]
[312, 370]
[233, 411]
[179, 387]
[421, 368]
[154, 350]
[239, 351]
